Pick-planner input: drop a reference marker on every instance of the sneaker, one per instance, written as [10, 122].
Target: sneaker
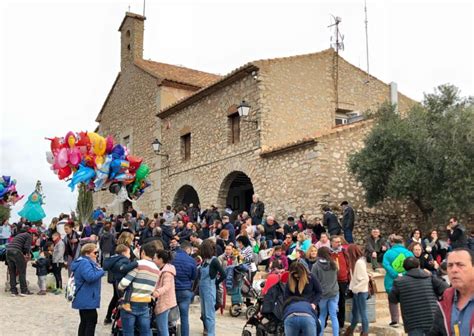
[393, 324]
[41, 292]
[12, 294]
[23, 294]
[107, 321]
[57, 291]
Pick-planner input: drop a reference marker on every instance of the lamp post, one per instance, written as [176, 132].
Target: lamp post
[157, 147]
[244, 109]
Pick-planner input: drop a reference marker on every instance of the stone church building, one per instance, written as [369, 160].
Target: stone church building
[305, 119]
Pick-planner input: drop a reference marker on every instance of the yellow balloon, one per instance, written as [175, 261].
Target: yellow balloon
[98, 143]
[99, 160]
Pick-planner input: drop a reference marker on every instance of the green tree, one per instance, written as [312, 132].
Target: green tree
[84, 204]
[4, 213]
[426, 155]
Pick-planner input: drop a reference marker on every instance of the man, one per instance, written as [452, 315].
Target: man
[186, 273]
[457, 236]
[195, 240]
[273, 234]
[348, 218]
[168, 215]
[257, 209]
[71, 243]
[17, 254]
[132, 212]
[417, 292]
[375, 248]
[211, 215]
[193, 213]
[455, 313]
[290, 227]
[330, 221]
[143, 280]
[343, 276]
[63, 220]
[227, 225]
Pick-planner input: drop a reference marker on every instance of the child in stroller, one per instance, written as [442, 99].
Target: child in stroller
[239, 287]
[268, 318]
[172, 321]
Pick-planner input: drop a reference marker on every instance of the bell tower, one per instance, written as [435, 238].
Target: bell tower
[131, 39]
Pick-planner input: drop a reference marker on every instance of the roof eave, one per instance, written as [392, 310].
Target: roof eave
[229, 79]
[97, 119]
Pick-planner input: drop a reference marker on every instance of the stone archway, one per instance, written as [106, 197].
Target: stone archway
[236, 190]
[186, 195]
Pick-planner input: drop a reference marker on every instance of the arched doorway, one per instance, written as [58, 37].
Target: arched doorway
[236, 190]
[186, 195]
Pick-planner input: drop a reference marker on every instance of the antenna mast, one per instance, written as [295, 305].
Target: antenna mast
[366, 39]
[337, 45]
[144, 7]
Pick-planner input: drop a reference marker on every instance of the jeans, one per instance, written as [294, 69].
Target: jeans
[88, 322]
[329, 306]
[140, 313]
[359, 309]
[17, 264]
[207, 295]
[184, 298]
[294, 325]
[42, 282]
[348, 235]
[394, 312]
[57, 267]
[417, 332]
[162, 323]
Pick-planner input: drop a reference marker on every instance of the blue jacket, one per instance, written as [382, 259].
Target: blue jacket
[388, 258]
[118, 265]
[87, 275]
[230, 227]
[186, 270]
[300, 306]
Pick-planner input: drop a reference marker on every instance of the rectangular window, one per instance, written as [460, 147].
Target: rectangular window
[234, 128]
[186, 146]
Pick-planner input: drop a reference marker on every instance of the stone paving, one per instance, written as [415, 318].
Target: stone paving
[52, 314]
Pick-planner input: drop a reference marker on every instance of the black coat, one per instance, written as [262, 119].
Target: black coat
[42, 266]
[348, 218]
[332, 223]
[458, 237]
[418, 294]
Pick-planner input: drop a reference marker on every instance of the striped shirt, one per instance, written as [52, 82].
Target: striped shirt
[143, 280]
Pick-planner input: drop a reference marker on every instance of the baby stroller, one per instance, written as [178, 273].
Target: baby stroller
[268, 319]
[242, 288]
[172, 321]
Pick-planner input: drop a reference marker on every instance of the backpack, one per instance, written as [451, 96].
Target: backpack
[71, 290]
[3, 253]
[397, 264]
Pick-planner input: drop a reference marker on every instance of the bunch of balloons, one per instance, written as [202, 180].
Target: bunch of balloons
[8, 194]
[97, 162]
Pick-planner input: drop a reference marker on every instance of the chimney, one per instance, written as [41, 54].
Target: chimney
[394, 95]
[131, 36]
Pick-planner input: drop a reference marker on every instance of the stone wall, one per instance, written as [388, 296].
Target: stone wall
[130, 111]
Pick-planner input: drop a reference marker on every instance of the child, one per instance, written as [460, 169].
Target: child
[58, 260]
[42, 265]
[106, 242]
[119, 265]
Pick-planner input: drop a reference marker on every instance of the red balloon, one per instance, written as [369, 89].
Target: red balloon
[135, 162]
[56, 145]
[84, 143]
[64, 172]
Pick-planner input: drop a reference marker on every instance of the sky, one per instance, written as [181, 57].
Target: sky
[58, 59]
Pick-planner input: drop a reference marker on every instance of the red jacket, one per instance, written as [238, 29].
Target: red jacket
[343, 274]
[442, 324]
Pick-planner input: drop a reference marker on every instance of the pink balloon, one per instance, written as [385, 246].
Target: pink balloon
[109, 144]
[74, 156]
[61, 159]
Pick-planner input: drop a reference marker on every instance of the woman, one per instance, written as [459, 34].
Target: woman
[53, 227]
[302, 294]
[246, 252]
[359, 286]
[302, 242]
[324, 241]
[311, 256]
[415, 237]
[208, 281]
[5, 232]
[147, 233]
[325, 270]
[432, 245]
[126, 238]
[427, 262]
[165, 292]
[87, 275]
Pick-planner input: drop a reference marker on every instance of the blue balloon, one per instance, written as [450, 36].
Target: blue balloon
[118, 152]
[82, 175]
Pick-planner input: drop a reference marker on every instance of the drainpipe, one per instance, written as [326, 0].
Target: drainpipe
[394, 95]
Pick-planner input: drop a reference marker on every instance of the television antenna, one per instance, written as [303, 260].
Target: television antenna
[337, 39]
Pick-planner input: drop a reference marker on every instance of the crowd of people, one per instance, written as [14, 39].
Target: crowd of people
[173, 256]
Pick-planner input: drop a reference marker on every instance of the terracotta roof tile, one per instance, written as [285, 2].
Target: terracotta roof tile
[177, 74]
